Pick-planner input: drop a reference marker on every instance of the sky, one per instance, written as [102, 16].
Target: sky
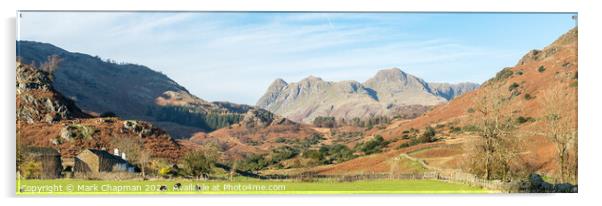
[234, 56]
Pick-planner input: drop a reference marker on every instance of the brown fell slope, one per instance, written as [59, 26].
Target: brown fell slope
[559, 73]
[47, 119]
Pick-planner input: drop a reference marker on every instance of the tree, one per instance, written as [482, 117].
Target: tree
[560, 119]
[375, 145]
[51, 65]
[340, 153]
[143, 159]
[327, 122]
[282, 153]
[136, 153]
[198, 163]
[428, 135]
[31, 169]
[495, 149]
[253, 162]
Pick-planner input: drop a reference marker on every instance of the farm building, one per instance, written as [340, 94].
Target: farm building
[50, 160]
[95, 161]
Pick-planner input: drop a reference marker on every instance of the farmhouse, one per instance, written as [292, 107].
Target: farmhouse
[49, 158]
[96, 161]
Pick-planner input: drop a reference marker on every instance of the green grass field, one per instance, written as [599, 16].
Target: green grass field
[138, 187]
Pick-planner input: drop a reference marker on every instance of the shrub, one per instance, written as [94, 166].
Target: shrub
[313, 154]
[504, 74]
[528, 96]
[313, 139]
[253, 162]
[408, 144]
[455, 129]
[375, 145]
[327, 122]
[282, 153]
[280, 140]
[522, 119]
[470, 110]
[574, 84]
[428, 135]
[541, 69]
[31, 169]
[340, 153]
[513, 86]
[404, 145]
[519, 72]
[197, 164]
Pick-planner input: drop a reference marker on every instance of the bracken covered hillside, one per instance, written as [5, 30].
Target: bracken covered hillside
[526, 90]
[47, 119]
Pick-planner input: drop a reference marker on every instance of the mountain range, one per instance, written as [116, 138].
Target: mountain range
[388, 93]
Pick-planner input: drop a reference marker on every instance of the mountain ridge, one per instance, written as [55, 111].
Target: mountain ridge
[388, 88]
[130, 91]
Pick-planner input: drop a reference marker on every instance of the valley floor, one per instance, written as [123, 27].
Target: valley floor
[242, 186]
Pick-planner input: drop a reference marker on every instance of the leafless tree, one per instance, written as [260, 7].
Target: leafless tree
[135, 150]
[560, 118]
[51, 65]
[495, 150]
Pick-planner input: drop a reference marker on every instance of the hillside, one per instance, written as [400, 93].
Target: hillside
[47, 119]
[525, 89]
[130, 91]
[259, 132]
[390, 92]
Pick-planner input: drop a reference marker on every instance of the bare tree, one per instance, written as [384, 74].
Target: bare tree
[136, 152]
[495, 150]
[143, 159]
[51, 65]
[560, 118]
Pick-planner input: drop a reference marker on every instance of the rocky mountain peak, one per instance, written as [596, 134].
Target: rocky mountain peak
[278, 83]
[272, 93]
[390, 74]
[312, 96]
[312, 78]
[395, 78]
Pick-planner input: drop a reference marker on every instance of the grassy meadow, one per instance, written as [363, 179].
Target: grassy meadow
[239, 186]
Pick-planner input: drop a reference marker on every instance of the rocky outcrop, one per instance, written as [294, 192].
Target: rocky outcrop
[37, 101]
[549, 51]
[129, 91]
[391, 92]
[47, 119]
[255, 118]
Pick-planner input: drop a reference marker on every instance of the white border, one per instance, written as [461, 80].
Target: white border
[589, 97]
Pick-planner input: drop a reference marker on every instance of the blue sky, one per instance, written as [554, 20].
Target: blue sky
[235, 56]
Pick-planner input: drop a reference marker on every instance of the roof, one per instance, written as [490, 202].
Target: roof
[42, 151]
[105, 155]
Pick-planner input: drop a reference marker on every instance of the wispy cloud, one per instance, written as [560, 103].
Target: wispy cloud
[234, 56]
